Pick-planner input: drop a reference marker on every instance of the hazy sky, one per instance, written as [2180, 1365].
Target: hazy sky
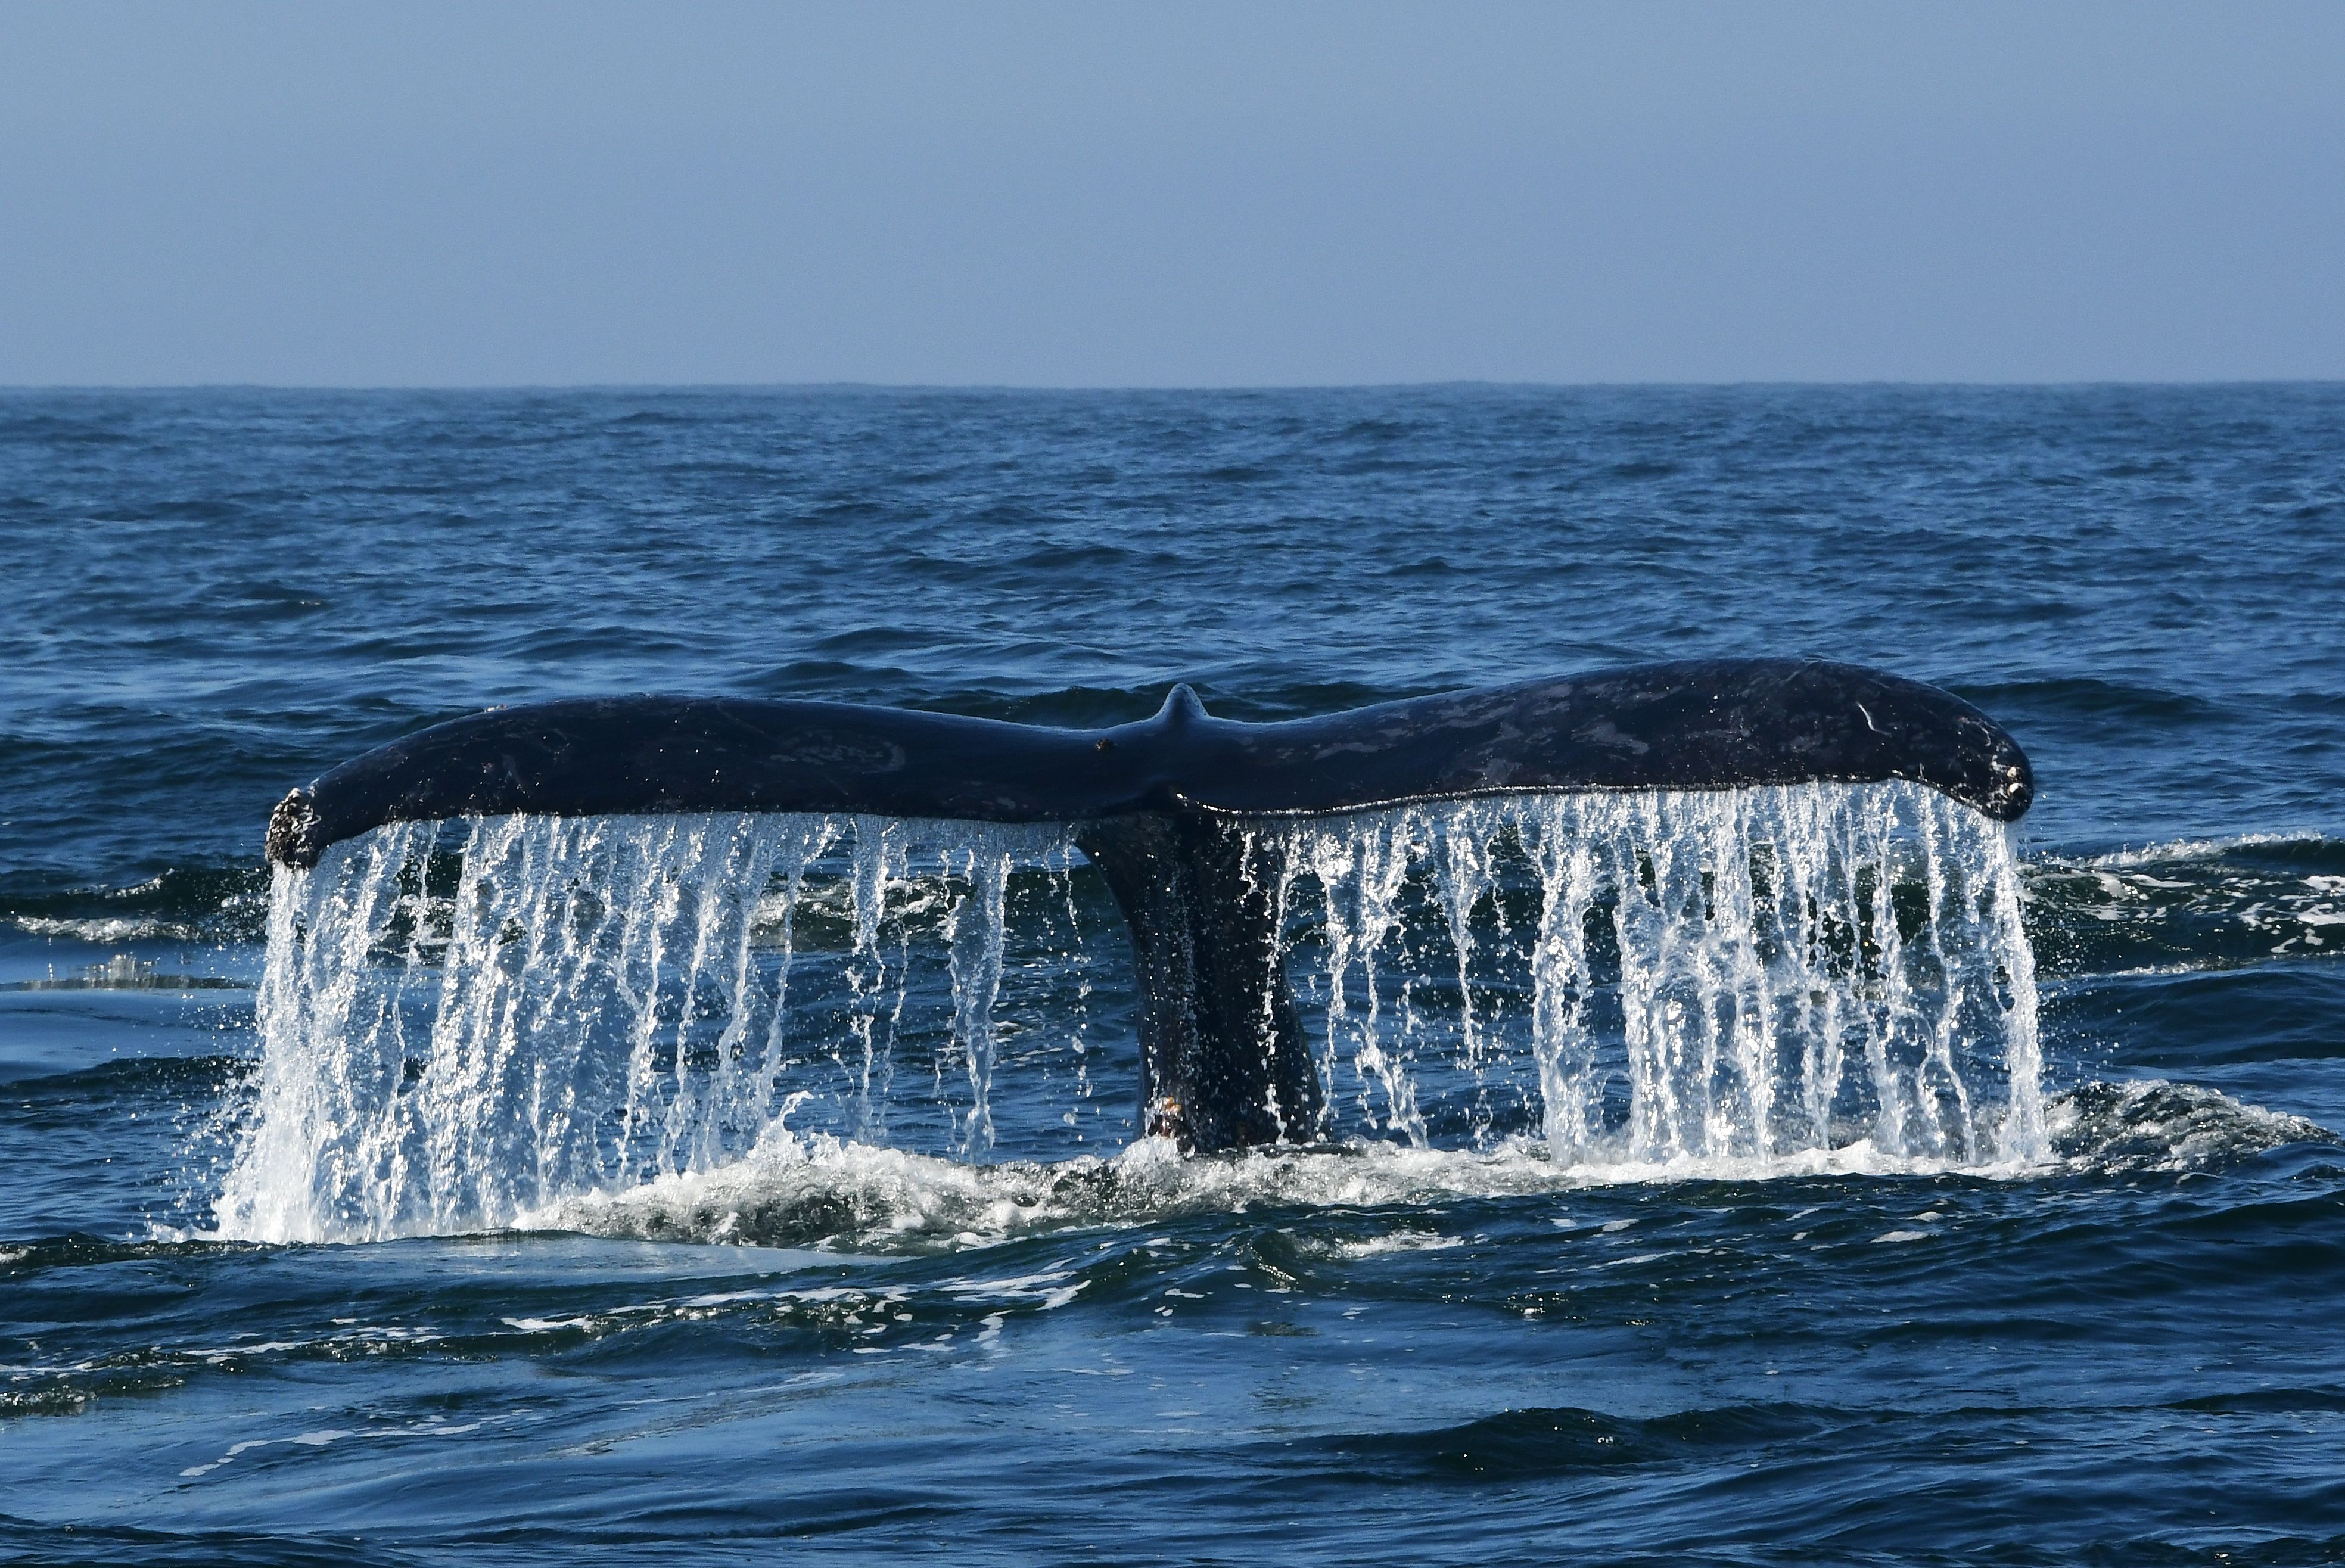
[1183, 194]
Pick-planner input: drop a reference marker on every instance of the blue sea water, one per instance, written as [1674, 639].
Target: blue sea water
[2127, 1351]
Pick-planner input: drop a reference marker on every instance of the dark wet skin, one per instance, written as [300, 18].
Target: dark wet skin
[1697, 724]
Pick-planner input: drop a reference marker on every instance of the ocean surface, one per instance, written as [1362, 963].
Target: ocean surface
[367, 1218]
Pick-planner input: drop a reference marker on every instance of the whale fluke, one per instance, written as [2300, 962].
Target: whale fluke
[1159, 806]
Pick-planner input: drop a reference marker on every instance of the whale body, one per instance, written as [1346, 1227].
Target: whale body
[1160, 806]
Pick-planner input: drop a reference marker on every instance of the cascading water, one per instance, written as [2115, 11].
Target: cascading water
[453, 1035]
[463, 1024]
[1731, 975]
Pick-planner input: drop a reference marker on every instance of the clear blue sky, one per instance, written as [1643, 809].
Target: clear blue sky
[1177, 195]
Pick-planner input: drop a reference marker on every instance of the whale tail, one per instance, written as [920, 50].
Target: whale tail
[1161, 807]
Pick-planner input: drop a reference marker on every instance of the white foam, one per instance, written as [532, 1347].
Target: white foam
[2186, 849]
[324, 1437]
[107, 931]
[2150, 1124]
[819, 1189]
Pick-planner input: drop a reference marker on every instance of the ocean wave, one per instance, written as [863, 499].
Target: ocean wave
[2179, 850]
[2192, 904]
[2086, 699]
[804, 1190]
[208, 904]
[2153, 1124]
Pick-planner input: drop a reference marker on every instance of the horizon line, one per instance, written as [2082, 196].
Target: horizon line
[1044, 388]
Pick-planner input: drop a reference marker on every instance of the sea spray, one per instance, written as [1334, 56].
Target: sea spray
[467, 1024]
